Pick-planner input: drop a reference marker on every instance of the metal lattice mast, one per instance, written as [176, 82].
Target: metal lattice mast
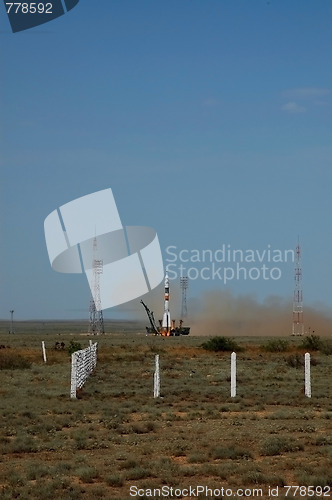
[184, 287]
[11, 321]
[298, 325]
[96, 325]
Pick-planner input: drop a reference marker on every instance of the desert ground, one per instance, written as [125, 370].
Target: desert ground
[116, 441]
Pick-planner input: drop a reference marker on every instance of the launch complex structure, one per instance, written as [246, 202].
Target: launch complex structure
[167, 327]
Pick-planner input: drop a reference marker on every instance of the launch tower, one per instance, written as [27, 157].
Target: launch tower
[184, 287]
[298, 325]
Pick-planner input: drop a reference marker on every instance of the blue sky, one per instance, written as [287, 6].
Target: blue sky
[210, 121]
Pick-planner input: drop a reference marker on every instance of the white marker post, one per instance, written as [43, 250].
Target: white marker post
[307, 378]
[156, 389]
[233, 375]
[44, 352]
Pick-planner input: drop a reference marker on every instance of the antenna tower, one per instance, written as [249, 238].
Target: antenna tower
[11, 330]
[298, 325]
[96, 325]
[184, 287]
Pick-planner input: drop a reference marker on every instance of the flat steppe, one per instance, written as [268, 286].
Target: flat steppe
[116, 436]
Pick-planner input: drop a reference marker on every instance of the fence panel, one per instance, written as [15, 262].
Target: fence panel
[83, 363]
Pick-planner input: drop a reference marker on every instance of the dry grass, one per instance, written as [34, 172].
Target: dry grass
[116, 435]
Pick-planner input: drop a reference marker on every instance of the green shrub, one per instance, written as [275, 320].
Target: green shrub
[326, 348]
[221, 344]
[276, 445]
[309, 479]
[276, 345]
[23, 444]
[143, 427]
[73, 347]
[197, 458]
[254, 477]
[312, 342]
[129, 464]
[257, 477]
[233, 453]
[137, 473]
[295, 360]
[114, 480]
[13, 361]
[36, 470]
[87, 474]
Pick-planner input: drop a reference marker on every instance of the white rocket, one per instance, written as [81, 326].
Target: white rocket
[166, 323]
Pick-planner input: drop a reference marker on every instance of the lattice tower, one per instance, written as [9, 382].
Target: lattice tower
[298, 325]
[184, 287]
[96, 324]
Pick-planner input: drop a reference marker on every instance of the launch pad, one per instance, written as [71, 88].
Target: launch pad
[166, 327]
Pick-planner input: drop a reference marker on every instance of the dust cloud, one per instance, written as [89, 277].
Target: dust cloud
[220, 313]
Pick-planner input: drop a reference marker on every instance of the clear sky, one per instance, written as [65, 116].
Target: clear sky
[209, 119]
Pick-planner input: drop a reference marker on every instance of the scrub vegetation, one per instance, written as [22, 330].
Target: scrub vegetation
[116, 435]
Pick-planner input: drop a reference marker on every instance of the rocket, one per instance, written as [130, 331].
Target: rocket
[166, 323]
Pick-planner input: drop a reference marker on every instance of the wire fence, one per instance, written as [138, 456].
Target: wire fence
[83, 363]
